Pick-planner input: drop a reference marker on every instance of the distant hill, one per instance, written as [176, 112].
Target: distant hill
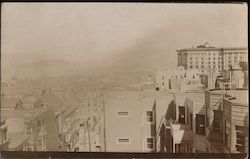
[46, 68]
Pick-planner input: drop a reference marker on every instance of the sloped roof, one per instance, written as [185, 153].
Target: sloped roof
[52, 100]
[241, 96]
[35, 113]
[19, 140]
[70, 110]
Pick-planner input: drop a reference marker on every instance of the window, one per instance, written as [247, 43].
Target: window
[216, 124]
[39, 143]
[217, 120]
[149, 116]
[150, 143]
[123, 141]
[162, 83]
[28, 130]
[200, 124]
[241, 138]
[122, 113]
[181, 115]
[40, 125]
[162, 77]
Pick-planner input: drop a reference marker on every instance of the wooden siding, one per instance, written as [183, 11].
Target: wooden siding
[200, 142]
[199, 108]
[227, 110]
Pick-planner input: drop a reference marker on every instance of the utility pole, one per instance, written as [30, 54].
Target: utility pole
[88, 134]
[104, 126]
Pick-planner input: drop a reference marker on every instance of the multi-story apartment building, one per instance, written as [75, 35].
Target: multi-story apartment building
[206, 58]
[71, 128]
[185, 131]
[236, 121]
[31, 130]
[214, 122]
[42, 129]
[130, 120]
[49, 99]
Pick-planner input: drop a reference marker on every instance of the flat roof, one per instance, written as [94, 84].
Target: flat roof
[241, 96]
[194, 96]
[213, 48]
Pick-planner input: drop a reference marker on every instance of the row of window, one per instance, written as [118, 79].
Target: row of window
[197, 62]
[216, 53]
[149, 142]
[204, 58]
[149, 115]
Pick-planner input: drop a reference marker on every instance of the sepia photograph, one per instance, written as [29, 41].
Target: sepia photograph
[149, 78]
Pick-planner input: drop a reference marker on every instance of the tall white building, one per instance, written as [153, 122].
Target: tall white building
[205, 57]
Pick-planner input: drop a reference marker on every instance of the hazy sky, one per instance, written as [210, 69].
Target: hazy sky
[98, 32]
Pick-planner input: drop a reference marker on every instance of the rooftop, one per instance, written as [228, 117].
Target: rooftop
[19, 140]
[71, 110]
[241, 96]
[52, 100]
[213, 48]
[194, 96]
[35, 113]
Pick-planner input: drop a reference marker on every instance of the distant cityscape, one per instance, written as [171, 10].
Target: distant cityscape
[201, 106]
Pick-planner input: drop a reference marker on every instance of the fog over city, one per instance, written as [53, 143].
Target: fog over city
[88, 38]
[124, 77]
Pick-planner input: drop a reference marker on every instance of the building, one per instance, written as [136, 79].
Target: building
[49, 99]
[30, 130]
[214, 120]
[179, 79]
[71, 128]
[13, 119]
[236, 121]
[135, 115]
[184, 131]
[206, 58]
[3, 134]
[42, 129]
